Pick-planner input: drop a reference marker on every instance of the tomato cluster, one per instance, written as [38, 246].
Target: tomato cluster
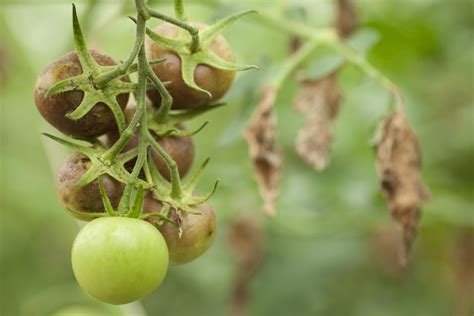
[119, 257]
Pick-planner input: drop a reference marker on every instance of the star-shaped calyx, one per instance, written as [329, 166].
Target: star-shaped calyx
[99, 165]
[171, 124]
[94, 91]
[177, 195]
[193, 54]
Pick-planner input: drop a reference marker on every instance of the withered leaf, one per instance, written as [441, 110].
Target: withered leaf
[387, 249]
[399, 167]
[319, 101]
[260, 134]
[246, 240]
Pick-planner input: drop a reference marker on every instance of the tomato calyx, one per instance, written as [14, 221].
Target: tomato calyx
[192, 54]
[170, 124]
[177, 195]
[99, 165]
[95, 91]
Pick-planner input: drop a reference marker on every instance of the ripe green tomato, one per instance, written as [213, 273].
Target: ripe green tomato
[119, 260]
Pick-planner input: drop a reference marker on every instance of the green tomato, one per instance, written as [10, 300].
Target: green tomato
[119, 260]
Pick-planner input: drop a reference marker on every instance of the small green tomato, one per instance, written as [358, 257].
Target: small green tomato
[119, 260]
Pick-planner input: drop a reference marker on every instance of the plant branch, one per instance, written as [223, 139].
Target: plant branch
[194, 32]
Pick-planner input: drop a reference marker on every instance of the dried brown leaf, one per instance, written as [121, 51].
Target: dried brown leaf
[387, 249]
[246, 240]
[319, 101]
[266, 157]
[346, 18]
[399, 167]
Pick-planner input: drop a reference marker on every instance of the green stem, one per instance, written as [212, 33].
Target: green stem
[194, 32]
[166, 98]
[179, 10]
[140, 115]
[359, 61]
[331, 39]
[123, 68]
[176, 192]
[130, 130]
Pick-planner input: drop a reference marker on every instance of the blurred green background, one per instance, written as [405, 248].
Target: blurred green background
[319, 257]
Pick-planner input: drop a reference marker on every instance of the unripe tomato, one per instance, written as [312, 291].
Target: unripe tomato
[87, 198]
[198, 231]
[98, 121]
[119, 260]
[216, 81]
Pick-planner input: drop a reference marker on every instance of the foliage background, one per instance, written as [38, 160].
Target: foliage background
[318, 259]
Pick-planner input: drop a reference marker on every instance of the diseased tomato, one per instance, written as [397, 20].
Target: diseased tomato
[98, 121]
[216, 81]
[119, 260]
[87, 198]
[198, 231]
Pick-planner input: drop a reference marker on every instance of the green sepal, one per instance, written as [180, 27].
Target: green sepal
[208, 35]
[107, 93]
[100, 166]
[105, 199]
[136, 210]
[170, 126]
[190, 60]
[188, 199]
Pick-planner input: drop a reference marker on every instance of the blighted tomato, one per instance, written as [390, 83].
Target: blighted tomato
[98, 121]
[216, 81]
[86, 198]
[198, 230]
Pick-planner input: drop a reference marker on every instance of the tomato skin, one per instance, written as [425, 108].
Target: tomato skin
[97, 122]
[119, 260]
[198, 231]
[216, 81]
[86, 198]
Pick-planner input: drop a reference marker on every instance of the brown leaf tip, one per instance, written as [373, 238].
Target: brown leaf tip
[399, 167]
[264, 152]
[319, 101]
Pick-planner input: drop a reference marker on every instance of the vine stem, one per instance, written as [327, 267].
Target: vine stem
[194, 32]
[139, 119]
[329, 37]
[176, 191]
[179, 10]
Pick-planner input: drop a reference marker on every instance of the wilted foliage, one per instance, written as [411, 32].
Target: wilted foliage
[319, 101]
[399, 167]
[387, 249]
[266, 157]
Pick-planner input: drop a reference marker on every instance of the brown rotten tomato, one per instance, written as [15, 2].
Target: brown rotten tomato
[98, 121]
[181, 149]
[87, 198]
[198, 230]
[216, 81]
